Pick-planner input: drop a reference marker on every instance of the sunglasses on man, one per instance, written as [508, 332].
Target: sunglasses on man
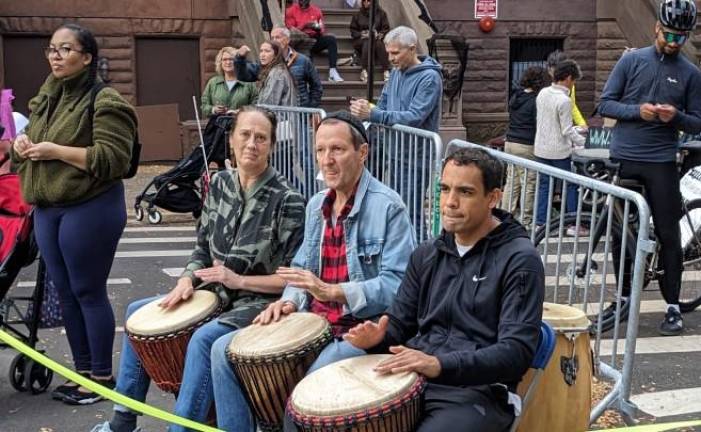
[671, 37]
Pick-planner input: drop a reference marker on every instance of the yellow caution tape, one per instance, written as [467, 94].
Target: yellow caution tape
[659, 427]
[172, 418]
[101, 390]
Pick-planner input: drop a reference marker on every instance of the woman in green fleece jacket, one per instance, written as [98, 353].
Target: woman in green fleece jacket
[70, 168]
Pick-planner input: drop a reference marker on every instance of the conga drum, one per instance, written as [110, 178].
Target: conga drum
[271, 359]
[562, 400]
[350, 396]
[160, 336]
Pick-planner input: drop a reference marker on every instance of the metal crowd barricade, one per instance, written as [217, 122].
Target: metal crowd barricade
[408, 160]
[293, 155]
[579, 265]
[404, 158]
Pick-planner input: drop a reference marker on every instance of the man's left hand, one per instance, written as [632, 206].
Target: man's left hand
[41, 151]
[360, 108]
[410, 360]
[666, 112]
[308, 281]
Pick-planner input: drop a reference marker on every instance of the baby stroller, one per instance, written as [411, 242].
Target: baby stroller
[18, 250]
[181, 189]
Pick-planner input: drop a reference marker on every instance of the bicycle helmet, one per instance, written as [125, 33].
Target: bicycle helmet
[679, 15]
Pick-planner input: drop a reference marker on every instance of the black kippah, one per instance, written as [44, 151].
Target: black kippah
[352, 121]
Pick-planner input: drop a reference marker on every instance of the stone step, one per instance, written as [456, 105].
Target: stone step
[349, 88]
[349, 73]
[338, 28]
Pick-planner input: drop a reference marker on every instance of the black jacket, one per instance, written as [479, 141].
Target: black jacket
[522, 118]
[479, 314]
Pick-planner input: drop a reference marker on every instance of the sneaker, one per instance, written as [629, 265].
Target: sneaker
[61, 391]
[609, 315]
[386, 75]
[77, 397]
[345, 61]
[105, 427]
[334, 76]
[364, 76]
[580, 231]
[672, 324]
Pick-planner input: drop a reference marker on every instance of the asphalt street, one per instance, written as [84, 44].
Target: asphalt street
[666, 382]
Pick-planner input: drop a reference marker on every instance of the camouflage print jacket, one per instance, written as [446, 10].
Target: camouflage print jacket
[253, 232]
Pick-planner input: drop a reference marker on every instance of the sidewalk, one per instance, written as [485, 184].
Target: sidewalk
[135, 185]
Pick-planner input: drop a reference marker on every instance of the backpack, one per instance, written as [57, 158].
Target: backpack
[136, 145]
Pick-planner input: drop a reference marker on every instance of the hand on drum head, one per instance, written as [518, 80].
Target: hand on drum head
[367, 334]
[183, 290]
[274, 311]
[410, 360]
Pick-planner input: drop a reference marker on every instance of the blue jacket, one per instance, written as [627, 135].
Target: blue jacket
[645, 75]
[379, 241]
[306, 77]
[412, 97]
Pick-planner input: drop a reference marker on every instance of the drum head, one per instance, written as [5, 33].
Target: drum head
[349, 386]
[153, 320]
[291, 332]
[564, 318]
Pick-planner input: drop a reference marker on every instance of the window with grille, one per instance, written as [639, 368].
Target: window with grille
[524, 53]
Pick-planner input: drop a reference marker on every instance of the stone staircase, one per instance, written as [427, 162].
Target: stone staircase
[337, 18]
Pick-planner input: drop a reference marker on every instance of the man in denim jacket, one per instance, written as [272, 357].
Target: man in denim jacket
[357, 243]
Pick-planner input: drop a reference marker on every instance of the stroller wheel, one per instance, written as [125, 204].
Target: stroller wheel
[139, 213]
[17, 371]
[155, 217]
[37, 376]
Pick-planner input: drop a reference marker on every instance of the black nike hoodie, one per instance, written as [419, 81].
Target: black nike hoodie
[479, 314]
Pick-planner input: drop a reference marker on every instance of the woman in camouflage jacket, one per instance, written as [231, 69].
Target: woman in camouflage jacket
[251, 224]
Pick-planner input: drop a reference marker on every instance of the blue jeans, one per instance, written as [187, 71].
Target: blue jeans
[195, 396]
[233, 412]
[544, 186]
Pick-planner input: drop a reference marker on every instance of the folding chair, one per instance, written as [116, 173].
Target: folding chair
[546, 346]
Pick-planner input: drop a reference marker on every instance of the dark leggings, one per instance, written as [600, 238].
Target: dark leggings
[327, 42]
[661, 183]
[78, 244]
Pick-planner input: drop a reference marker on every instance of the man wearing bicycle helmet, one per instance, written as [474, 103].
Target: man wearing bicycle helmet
[654, 93]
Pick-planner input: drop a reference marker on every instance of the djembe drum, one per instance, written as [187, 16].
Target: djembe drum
[271, 359]
[160, 336]
[562, 400]
[350, 396]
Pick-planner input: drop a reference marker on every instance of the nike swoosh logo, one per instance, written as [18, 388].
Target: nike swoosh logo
[478, 279]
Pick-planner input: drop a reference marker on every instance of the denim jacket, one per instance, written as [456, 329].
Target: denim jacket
[379, 241]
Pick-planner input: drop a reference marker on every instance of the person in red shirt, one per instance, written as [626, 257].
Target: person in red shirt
[309, 19]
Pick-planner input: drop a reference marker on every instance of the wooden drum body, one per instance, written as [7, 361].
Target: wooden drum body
[562, 400]
[350, 396]
[160, 336]
[270, 360]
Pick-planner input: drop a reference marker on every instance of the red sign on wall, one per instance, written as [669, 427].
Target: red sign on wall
[486, 8]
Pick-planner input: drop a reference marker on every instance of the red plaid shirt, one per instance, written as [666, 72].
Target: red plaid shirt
[334, 267]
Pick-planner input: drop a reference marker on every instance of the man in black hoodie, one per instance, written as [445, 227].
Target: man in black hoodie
[468, 312]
